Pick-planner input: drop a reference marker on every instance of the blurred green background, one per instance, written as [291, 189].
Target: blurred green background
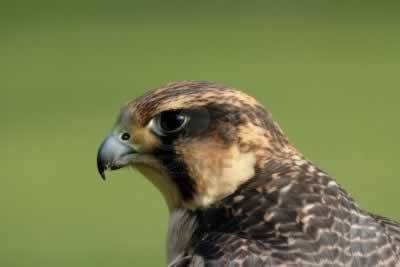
[328, 70]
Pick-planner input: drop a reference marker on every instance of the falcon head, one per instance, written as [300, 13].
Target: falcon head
[197, 142]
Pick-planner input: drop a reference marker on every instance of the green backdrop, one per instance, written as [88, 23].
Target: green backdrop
[328, 71]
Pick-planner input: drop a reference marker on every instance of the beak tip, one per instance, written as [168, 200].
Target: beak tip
[103, 176]
[101, 169]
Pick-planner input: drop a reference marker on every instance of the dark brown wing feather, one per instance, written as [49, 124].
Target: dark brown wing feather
[290, 216]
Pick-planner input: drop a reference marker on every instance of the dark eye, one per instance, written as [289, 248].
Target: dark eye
[125, 136]
[171, 122]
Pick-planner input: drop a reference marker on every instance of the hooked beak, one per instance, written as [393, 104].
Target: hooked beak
[113, 154]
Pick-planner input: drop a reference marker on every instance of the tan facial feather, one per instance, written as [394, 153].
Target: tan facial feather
[217, 170]
[143, 137]
[160, 179]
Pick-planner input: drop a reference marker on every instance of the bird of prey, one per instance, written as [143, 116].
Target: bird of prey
[239, 193]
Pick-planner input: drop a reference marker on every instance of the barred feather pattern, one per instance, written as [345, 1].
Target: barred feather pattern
[290, 214]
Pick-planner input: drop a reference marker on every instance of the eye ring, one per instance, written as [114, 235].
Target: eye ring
[125, 137]
[169, 122]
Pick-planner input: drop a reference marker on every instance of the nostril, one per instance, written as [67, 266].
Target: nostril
[125, 136]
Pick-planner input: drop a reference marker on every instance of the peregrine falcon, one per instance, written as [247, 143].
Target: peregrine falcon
[239, 193]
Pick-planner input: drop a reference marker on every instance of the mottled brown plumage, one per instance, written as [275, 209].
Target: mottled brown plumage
[239, 193]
